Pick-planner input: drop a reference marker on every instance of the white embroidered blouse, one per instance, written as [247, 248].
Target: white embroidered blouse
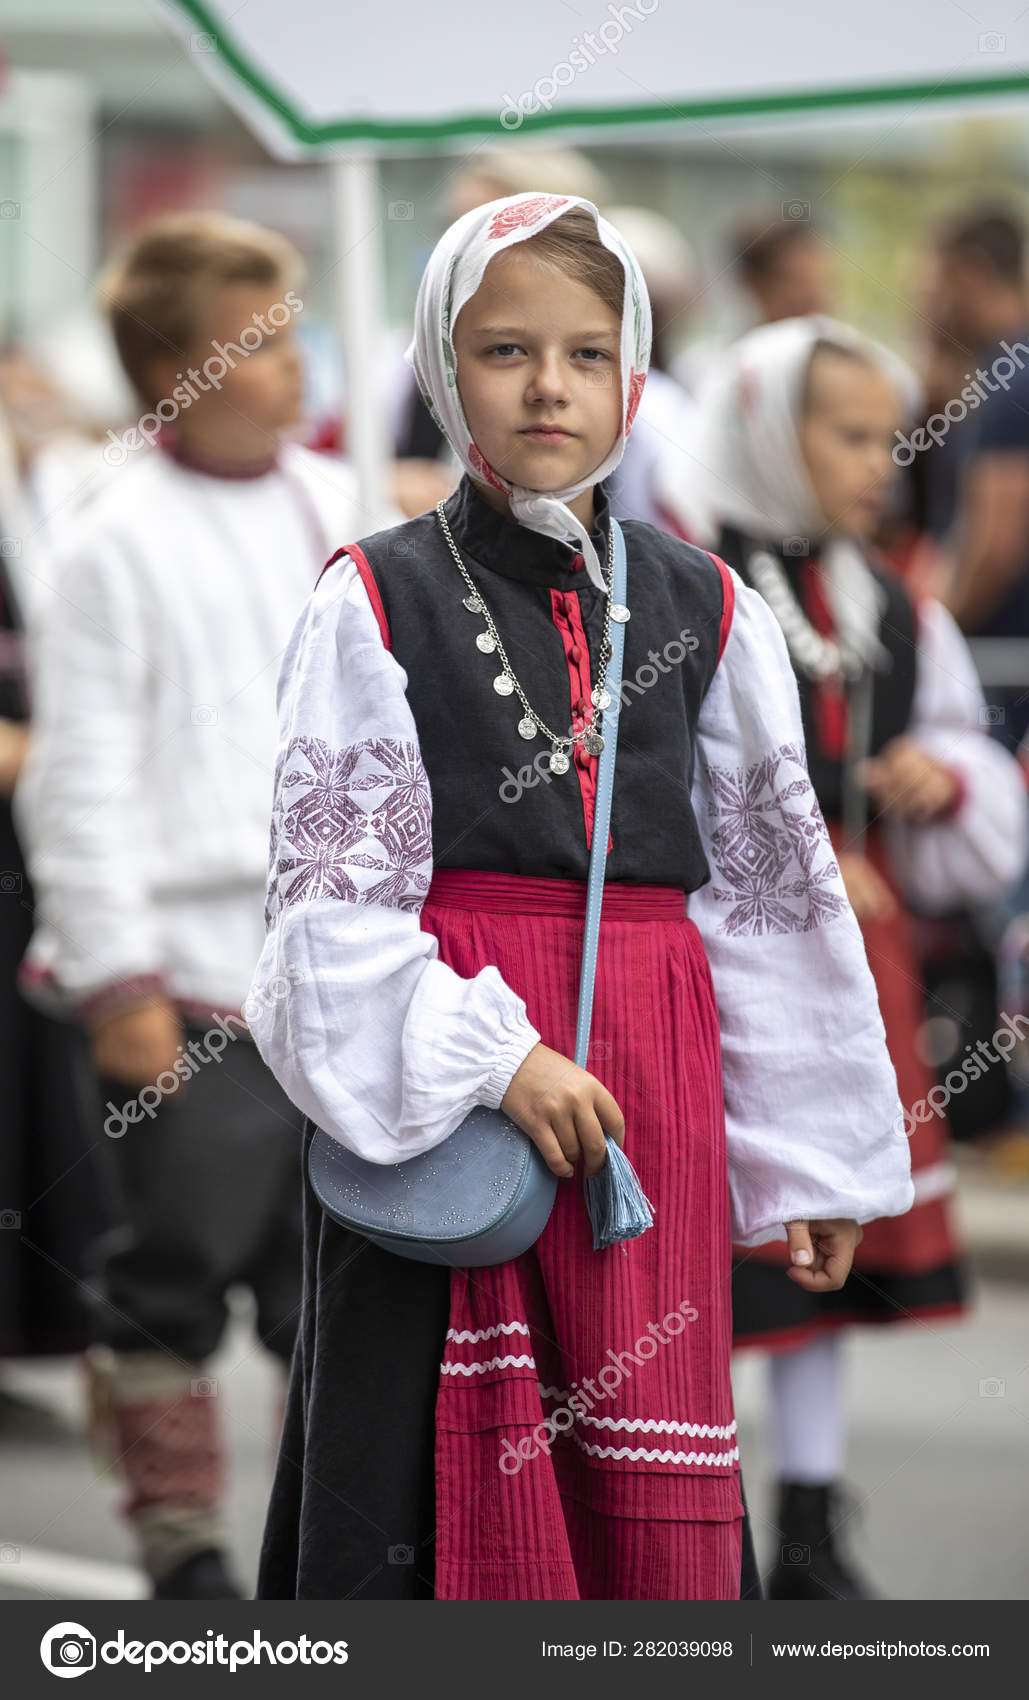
[387, 1048]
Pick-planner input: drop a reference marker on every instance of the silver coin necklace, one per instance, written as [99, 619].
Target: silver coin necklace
[506, 683]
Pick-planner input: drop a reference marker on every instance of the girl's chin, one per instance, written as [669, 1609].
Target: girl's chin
[539, 466]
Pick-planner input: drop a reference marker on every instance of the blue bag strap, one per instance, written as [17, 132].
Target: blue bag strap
[602, 807]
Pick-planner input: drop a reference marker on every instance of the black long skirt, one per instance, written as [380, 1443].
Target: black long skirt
[352, 1513]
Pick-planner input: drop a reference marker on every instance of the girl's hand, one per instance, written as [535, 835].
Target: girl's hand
[824, 1264]
[870, 897]
[565, 1111]
[908, 782]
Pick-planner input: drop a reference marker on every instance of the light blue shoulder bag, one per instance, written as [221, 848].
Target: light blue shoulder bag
[484, 1194]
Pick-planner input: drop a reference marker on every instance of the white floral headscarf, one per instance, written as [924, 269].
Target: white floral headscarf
[452, 276]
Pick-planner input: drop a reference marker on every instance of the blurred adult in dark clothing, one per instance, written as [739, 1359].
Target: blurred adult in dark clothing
[975, 294]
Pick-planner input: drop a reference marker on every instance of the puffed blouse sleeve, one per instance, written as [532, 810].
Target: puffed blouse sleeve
[367, 1031]
[814, 1126]
[977, 851]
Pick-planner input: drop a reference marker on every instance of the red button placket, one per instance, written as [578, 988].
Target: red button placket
[567, 618]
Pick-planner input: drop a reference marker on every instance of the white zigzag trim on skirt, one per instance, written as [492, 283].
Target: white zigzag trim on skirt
[640, 1452]
[650, 1425]
[644, 1425]
[490, 1363]
[471, 1336]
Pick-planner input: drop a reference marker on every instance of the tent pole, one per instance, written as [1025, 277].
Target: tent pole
[357, 218]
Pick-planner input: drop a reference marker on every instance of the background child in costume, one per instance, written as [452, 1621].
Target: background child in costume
[792, 465]
[438, 936]
[143, 805]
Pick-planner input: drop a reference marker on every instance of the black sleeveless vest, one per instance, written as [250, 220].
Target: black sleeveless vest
[893, 688]
[495, 805]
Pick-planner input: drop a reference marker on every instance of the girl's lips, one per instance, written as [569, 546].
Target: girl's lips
[541, 434]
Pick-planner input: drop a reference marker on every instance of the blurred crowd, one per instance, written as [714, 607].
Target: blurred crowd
[150, 575]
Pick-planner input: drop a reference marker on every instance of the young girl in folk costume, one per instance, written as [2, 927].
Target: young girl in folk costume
[793, 460]
[550, 1428]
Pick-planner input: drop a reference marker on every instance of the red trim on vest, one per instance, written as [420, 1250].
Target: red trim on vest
[360, 561]
[728, 602]
[567, 618]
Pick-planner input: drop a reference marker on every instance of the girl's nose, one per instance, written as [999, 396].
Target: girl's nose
[548, 381]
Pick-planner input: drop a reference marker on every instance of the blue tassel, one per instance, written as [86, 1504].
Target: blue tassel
[615, 1201]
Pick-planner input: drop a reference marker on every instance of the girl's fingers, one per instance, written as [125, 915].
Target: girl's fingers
[562, 1126]
[551, 1152]
[801, 1249]
[830, 1267]
[611, 1119]
[818, 1282]
[592, 1141]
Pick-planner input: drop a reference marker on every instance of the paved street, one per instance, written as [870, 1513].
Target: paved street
[939, 1444]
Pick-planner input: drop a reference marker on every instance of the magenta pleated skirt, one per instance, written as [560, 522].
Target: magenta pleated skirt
[586, 1442]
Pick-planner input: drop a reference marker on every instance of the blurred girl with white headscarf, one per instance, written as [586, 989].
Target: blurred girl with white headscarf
[786, 478]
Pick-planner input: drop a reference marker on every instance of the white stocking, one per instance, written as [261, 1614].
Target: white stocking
[807, 1421]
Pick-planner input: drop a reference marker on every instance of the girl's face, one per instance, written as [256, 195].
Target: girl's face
[847, 436]
[539, 373]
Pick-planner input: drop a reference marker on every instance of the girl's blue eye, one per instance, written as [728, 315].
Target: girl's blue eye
[503, 347]
[599, 351]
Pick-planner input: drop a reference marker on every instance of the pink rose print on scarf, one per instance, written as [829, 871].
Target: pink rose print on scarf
[512, 218]
[636, 383]
[482, 466]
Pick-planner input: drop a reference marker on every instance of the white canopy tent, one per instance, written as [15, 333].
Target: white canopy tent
[316, 80]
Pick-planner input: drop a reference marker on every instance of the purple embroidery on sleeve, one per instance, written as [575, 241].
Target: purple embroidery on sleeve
[354, 824]
[774, 860]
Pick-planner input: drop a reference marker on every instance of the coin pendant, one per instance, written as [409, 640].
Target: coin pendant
[472, 603]
[558, 762]
[527, 727]
[619, 612]
[593, 743]
[600, 698]
[503, 684]
[486, 642]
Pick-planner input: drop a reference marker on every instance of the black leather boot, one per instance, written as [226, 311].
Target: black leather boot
[201, 1576]
[808, 1566]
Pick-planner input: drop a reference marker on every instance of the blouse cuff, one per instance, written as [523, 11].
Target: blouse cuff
[517, 1045]
[118, 997]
